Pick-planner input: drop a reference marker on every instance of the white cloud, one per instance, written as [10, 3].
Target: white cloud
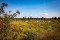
[45, 14]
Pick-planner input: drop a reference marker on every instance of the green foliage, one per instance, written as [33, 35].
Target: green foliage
[32, 30]
[18, 12]
[4, 4]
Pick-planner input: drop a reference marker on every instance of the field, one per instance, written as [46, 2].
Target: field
[33, 30]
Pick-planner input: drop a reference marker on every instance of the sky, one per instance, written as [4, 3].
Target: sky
[34, 8]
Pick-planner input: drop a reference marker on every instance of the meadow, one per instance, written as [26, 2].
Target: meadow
[33, 30]
[28, 28]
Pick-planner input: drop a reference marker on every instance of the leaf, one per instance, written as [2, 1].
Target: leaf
[18, 12]
[4, 4]
[10, 11]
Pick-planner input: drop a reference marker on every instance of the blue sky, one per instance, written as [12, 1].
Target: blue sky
[34, 8]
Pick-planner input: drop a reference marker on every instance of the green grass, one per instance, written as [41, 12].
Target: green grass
[33, 30]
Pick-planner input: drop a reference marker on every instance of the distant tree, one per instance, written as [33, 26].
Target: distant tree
[58, 18]
[54, 18]
[30, 17]
[23, 18]
[42, 18]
